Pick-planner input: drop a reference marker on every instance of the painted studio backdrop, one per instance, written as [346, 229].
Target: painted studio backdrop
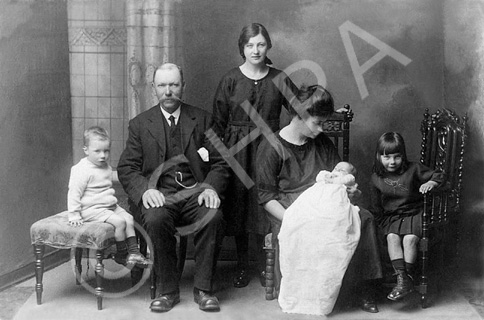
[67, 65]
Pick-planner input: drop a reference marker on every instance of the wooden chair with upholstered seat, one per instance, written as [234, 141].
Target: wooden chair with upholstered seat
[338, 129]
[54, 231]
[443, 142]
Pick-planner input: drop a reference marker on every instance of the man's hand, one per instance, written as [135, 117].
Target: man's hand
[210, 197]
[153, 198]
[426, 187]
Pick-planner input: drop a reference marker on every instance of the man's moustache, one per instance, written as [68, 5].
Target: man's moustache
[171, 98]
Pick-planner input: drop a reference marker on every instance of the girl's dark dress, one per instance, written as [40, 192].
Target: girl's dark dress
[232, 124]
[396, 200]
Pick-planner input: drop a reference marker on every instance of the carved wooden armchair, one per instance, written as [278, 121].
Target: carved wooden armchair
[443, 141]
[338, 129]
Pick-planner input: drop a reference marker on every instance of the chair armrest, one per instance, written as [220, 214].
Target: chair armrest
[441, 188]
[268, 242]
[344, 109]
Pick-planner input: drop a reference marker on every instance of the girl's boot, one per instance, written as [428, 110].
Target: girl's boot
[403, 288]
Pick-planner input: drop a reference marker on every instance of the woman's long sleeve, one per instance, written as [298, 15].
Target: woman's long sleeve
[220, 112]
[268, 167]
[376, 207]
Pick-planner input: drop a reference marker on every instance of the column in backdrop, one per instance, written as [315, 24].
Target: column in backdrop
[154, 36]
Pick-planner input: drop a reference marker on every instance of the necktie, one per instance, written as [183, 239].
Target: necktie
[172, 124]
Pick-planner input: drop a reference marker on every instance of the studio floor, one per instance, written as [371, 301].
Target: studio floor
[63, 299]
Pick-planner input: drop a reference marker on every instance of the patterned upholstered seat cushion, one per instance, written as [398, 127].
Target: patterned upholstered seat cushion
[55, 231]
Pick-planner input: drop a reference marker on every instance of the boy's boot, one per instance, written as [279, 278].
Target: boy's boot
[403, 288]
[134, 256]
[121, 253]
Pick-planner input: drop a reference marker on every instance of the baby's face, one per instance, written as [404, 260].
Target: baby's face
[343, 168]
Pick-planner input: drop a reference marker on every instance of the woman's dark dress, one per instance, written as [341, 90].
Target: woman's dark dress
[396, 200]
[232, 123]
[285, 170]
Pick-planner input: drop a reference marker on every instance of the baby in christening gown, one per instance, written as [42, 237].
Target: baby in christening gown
[319, 234]
[343, 173]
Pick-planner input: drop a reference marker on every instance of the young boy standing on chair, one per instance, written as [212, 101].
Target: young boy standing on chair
[91, 197]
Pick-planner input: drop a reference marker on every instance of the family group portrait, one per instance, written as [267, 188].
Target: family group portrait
[250, 159]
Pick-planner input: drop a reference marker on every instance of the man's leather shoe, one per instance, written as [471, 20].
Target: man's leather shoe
[206, 301]
[165, 302]
[241, 279]
[369, 305]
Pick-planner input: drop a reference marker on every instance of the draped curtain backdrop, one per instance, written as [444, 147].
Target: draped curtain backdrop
[153, 37]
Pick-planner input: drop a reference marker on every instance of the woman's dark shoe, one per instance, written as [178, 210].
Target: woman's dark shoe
[403, 288]
[241, 279]
[369, 305]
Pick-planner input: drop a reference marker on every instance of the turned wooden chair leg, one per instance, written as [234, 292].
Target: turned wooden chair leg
[78, 259]
[136, 272]
[39, 271]
[136, 275]
[424, 277]
[99, 269]
[153, 283]
[270, 262]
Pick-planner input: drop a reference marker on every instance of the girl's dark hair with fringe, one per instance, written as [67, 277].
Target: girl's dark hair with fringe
[251, 31]
[389, 143]
[315, 100]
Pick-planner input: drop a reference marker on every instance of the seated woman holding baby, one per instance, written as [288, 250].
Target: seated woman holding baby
[322, 236]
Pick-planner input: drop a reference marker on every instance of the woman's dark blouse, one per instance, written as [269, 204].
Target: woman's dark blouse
[285, 170]
[399, 193]
[266, 96]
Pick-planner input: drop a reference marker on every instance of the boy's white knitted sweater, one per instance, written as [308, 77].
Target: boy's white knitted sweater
[90, 189]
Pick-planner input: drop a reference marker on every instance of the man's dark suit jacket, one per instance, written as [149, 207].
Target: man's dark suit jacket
[146, 150]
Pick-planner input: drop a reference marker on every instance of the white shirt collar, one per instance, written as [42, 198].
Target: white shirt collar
[175, 113]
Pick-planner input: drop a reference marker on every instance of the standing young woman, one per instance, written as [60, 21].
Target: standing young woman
[265, 89]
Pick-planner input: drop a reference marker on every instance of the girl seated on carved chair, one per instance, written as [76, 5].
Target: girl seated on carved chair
[397, 188]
